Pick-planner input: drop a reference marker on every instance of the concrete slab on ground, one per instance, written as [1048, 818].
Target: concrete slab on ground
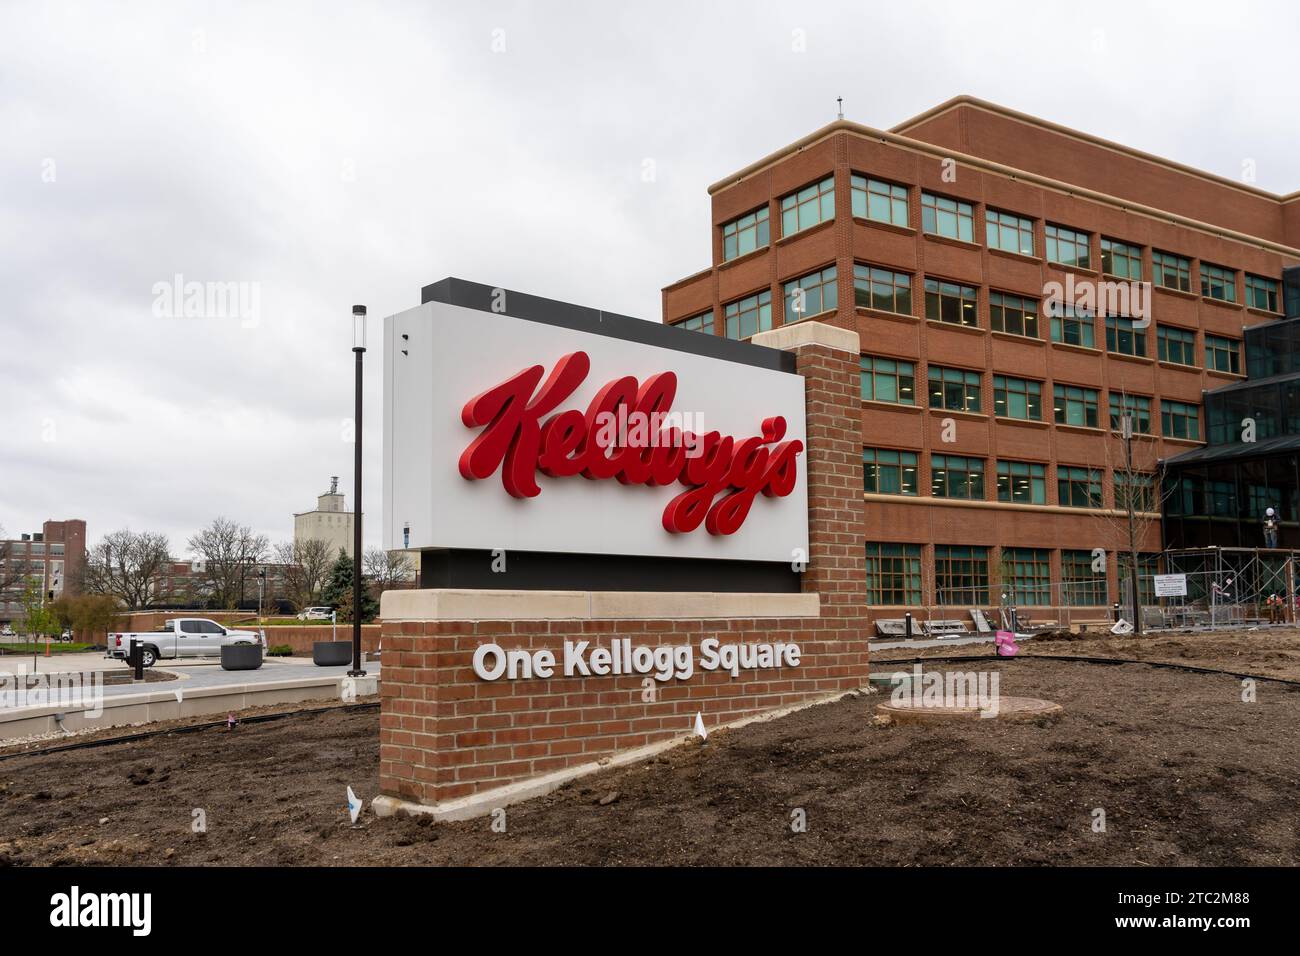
[931, 642]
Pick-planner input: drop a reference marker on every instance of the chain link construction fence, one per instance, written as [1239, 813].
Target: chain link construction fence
[1225, 588]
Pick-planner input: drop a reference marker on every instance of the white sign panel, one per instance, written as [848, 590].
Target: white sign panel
[1171, 585]
[471, 462]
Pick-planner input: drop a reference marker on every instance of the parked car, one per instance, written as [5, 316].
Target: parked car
[7, 631]
[316, 614]
[182, 637]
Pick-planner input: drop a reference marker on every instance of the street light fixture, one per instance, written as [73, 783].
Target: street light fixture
[358, 349]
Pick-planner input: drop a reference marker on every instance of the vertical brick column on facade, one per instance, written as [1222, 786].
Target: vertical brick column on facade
[837, 565]
[445, 733]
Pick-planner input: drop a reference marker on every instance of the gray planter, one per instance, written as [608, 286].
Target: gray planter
[331, 653]
[241, 657]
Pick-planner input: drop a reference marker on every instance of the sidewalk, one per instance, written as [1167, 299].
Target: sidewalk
[84, 662]
[201, 688]
[191, 674]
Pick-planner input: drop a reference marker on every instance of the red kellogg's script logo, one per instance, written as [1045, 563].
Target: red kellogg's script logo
[521, 440]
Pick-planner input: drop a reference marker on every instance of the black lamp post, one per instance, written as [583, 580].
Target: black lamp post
[358, 349]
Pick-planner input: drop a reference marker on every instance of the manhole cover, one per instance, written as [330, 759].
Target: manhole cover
[1006, 708]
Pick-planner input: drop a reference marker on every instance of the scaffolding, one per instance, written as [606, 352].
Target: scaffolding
[1227, 587]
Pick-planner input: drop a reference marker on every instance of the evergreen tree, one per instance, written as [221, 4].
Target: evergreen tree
[338, 591]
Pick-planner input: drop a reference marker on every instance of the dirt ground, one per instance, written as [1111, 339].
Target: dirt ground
[1184, 770]
[1270, 652]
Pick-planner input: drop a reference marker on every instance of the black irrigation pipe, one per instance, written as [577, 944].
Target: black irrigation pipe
[187, 729]
[1190, 668]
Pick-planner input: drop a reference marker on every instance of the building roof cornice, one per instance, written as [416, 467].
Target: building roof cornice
[976, 103]
[977, 162]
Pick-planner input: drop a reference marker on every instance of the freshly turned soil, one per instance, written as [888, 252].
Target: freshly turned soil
[1269, 652]
[1185, 771]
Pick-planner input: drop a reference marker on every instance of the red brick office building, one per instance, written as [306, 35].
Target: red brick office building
[52, 559]
[991, 459]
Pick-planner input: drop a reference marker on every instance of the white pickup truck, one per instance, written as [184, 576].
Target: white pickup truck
[182, 637]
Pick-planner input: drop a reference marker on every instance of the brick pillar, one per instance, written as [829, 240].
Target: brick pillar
[827, 358]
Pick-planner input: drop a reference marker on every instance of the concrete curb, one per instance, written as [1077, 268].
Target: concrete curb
[151, 706]
[481, 804]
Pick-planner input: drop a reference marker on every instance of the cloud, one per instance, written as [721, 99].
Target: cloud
[327, 154]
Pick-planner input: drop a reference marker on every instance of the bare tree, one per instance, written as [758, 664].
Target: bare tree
[91, 614]
[129, 565]
[387, 569]
[230, 553]
[306, 567]
[1134, 521]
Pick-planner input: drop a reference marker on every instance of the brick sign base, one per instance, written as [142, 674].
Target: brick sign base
[447, 733]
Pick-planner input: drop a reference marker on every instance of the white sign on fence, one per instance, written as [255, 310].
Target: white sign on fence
[1171, 585]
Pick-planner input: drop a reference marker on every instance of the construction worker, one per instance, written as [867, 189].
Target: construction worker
[1270, 528]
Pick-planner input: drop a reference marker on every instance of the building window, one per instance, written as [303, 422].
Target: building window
[1075, 406]
[1261, 293]
[1222, 496]
[1011, 313]
[954, 389]
[1067, 247]
[941, 216]
[1028, 575]
[811, 295]
[961, 575]
[1180, 420]
[1022, 482]
[893, 574]
[889, 472]
[882, 289]
[744, 235]
[888, 380]
[950, 302]
[1148, 567]
[697, 323]
[808, 207]
[1218, 283]
[879, 200]
[1171, 271]
[1009, 232]
[1123, 338]
[1137, 488]
[1176, 345]
[749, 315]
[1121, 260]
[1084, 587]
[953, 476]
[1222, 355]
[1138, 406]
[1078, 487]
[1017, 398]
[1072, 325]
[1261, 497]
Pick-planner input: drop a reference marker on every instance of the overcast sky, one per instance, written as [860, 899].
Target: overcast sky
[325, 154]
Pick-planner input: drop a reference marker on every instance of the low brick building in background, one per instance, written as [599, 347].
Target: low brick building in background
[990, 458]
